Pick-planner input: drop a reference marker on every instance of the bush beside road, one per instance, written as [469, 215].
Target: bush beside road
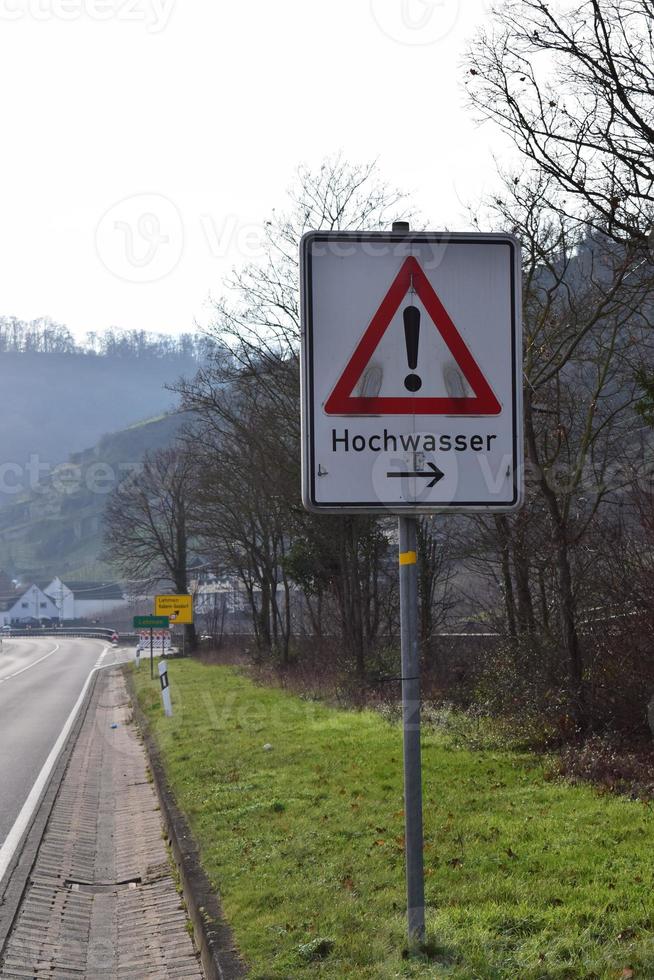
[297, 809]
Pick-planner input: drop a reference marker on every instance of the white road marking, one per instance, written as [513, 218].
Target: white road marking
[24, 818]
[29, 666]
[104, 653]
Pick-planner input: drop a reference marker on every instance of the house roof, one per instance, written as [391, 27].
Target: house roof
[93, 591]
[6, 603]
[9, 599]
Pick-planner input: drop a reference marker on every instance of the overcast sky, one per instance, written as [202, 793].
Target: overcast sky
[145, 140]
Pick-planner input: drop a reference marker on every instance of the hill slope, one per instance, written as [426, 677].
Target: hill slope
[56, 528]
[55, 404]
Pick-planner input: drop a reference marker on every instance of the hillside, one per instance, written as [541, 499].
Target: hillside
[55, 404]
[56, 528]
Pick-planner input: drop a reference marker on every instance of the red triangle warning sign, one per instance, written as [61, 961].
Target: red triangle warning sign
[343, 402]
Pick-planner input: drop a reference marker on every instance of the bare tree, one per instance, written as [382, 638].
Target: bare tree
[244, 479]
[434, 572]
[246, 403]
[147, 520]
[574, 91]
[259, 317]
[586, 304]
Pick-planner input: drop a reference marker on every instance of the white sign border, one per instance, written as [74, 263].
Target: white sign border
[307, 373]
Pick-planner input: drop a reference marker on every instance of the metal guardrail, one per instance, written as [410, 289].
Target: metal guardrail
[69, 631]
[72, 632]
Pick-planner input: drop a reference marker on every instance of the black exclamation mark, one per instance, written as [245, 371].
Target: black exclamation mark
[412, 382]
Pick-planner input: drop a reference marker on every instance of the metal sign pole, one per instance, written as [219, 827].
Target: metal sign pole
[151, 654]
[413, 833]
[415, 879]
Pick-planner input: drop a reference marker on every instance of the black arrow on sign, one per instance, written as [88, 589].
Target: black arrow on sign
[435, 476]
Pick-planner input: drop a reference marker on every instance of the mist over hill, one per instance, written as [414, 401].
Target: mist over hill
[56, 527]
[57, 404]
[59, 396]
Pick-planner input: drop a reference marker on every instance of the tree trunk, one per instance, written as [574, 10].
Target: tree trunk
[569, 635]
[315, 615]
[569, 630]
[263, 618]
[526, 619]
[502, 525]
[357, 602]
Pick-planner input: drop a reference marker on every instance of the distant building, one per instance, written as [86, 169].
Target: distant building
[29, 604]
[84, 600]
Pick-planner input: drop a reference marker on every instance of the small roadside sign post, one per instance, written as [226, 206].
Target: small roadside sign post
[411, 404]
[151, 623]
[178, 608]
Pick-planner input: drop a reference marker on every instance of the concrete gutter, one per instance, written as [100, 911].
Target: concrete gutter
[213, 936]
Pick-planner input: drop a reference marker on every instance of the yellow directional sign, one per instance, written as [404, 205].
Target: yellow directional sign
[178, 608]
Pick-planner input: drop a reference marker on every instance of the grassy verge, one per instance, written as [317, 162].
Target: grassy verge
[525, 878]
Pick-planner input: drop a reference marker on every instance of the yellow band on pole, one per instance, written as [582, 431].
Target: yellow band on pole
[408, 558]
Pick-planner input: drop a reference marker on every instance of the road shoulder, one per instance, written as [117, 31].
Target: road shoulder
[15, 879]
[213, 936]
[101, 898]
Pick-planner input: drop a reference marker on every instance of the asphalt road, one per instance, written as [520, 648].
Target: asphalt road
[40, 681]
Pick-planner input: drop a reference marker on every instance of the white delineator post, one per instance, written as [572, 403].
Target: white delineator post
[165, 690]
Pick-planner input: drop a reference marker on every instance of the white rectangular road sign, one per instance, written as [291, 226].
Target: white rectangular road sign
[411, 372]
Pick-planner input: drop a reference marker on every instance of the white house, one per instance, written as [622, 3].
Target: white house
[213, 593]
[84, 600]
[31, 603]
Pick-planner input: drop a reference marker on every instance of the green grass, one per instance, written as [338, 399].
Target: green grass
[525, 877]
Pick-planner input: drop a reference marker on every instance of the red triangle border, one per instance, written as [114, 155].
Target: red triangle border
[342, 402]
